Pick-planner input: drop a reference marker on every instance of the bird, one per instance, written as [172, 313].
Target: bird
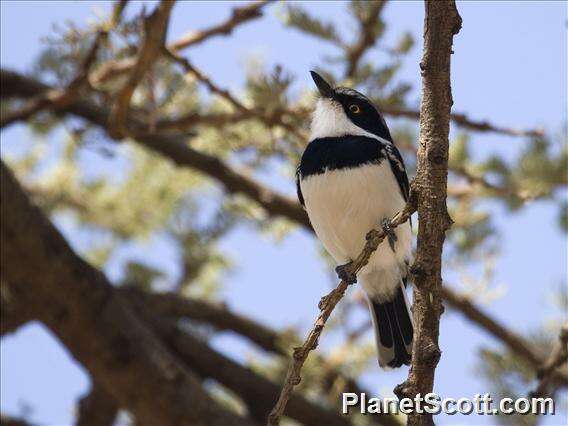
[351, 179]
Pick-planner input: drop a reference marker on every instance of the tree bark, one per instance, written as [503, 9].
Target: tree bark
[77, 303]
[97, 408]
[441, 23]
[258, 393]
[13, 314]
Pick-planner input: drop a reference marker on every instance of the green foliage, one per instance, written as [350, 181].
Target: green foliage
[296, 17]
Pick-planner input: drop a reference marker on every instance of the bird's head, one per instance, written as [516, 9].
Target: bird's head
[342, 111]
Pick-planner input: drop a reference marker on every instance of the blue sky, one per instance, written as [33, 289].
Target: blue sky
[509, 67]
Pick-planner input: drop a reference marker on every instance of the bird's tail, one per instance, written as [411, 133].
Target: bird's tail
[393, 330]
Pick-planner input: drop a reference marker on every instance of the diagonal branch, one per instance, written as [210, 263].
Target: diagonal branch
[516, 343]
[69, 297]
[155, 30]
[243, 112]
[239, 15]
[172, 147]
[256, 391]
[172, 305]
[366, 38]
[56, 99]
[327, 305]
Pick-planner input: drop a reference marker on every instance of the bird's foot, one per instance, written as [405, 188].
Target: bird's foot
[387, 229]
[345, 274]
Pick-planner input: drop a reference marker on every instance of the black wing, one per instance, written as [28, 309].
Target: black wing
[399, 170]
[298, 188]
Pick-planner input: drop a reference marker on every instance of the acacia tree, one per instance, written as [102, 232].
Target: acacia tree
[118, 87]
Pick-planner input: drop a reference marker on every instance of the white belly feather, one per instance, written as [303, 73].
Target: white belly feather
[343, 205]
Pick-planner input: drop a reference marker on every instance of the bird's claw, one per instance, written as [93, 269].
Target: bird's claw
[389, 232]
[345, 274]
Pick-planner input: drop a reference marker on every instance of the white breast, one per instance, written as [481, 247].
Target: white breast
[343, 205]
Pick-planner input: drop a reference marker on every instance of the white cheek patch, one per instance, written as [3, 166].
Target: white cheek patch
[329, 120]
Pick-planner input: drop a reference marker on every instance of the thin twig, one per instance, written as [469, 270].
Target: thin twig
[57, 99]
[327, 305]
[155, 29]
[212, 87]
[462, 120]
[243, 112]
[366, 38]
[239, 15]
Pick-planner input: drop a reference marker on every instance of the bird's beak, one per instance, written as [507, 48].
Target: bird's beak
[323, 86]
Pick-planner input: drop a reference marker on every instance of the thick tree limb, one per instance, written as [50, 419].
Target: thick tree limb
[155, 30]
[327, 305]
[441, 23]
[69, 297]
[12, 421]
[97, 408]
[13, 314]
[172, 147]
[256, 391]
[171, 305]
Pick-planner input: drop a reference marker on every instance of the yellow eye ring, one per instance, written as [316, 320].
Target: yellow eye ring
[354, 109]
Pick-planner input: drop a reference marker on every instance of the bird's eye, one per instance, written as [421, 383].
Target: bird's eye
[354, 109]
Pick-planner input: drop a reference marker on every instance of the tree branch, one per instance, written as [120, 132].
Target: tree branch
[12, 421]
[13, 314]
[239, 15]
[516, 343]
[14, 84]
[462, 120]
[243, 112]
[549, 370]
[441, 23]
[170, 146]
[69, 297]
[97, 408]
[171, 305]
[56, 99]
[256, 391]
[155, 30]
[327, 305]
[366, 38]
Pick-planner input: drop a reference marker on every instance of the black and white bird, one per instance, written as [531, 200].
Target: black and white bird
[351, 179]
